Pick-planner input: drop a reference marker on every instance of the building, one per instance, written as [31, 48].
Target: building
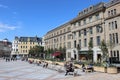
[59, 37]
[22, 45]
[15, 44]
[88, 26]
[5, 48]
[112, 23]
[94, 24]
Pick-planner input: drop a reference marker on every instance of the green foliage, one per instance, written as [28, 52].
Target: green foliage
[111, 44]
[104, 49]
[36, 51]
[90, 45]
[90, 51]
[99, 64]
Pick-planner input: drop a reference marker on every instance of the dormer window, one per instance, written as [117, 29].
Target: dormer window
[84, 11]
[91, 8]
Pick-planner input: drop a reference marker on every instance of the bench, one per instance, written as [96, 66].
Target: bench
[89, 70]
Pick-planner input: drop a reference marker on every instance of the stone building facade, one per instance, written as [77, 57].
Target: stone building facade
[22, 45]
[95, 23]
[5, 48]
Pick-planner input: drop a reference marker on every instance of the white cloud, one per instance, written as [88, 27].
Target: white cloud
[6, 27]
[3, 6]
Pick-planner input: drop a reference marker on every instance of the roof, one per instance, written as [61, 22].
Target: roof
[31, 39]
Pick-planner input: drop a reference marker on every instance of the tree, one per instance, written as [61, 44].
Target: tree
[104, 49]
[90, 51]
[36, 51]
[78, 48]
[111, 45]
[49, 52]
[64, 52]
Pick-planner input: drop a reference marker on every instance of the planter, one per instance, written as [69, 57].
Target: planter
[112, 70]
[100, 69]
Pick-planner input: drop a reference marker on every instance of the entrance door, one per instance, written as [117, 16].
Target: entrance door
[75, 56]
[99, 57]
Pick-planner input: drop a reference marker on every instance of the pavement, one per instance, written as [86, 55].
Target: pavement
[22, 70]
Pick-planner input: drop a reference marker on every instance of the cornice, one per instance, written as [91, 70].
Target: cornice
[58, 35]
[110, 17]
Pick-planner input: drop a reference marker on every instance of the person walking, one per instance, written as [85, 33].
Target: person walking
[83, 67]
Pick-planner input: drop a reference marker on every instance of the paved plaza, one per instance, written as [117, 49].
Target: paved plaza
[21, 70]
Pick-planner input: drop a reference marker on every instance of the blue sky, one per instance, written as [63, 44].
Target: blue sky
[37, 17]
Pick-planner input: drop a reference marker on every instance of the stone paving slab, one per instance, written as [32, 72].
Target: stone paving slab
[20, 70]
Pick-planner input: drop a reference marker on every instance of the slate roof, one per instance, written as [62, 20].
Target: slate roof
[31, 39]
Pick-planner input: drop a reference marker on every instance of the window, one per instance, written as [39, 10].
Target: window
[80, 43]
[57, 33]
[60, 38]
[117, 38]
[90, 19]
[69, 55]
[109, 26]
[91, 39]
[118, 55]
[69, 36]
[23, 51]
[85, 42]
[111, 53]
[84, 21]
[85, 32]
[112, 25]
[114, 54]
[74, 34]
[75, 44]
[68, 28]
[110, 37]
[64, 44]
[60, 31]
[79, 23]
[69, 45]
[99, 29]
[79, 33]
[97, 16]
[64, 37]
[115, 24]
[114, 11]
[108, 13]
[113, 35]
[64, 30]
[98, 40]
[91, 30]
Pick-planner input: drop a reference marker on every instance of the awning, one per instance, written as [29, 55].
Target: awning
[56, 54]
[85, 52]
